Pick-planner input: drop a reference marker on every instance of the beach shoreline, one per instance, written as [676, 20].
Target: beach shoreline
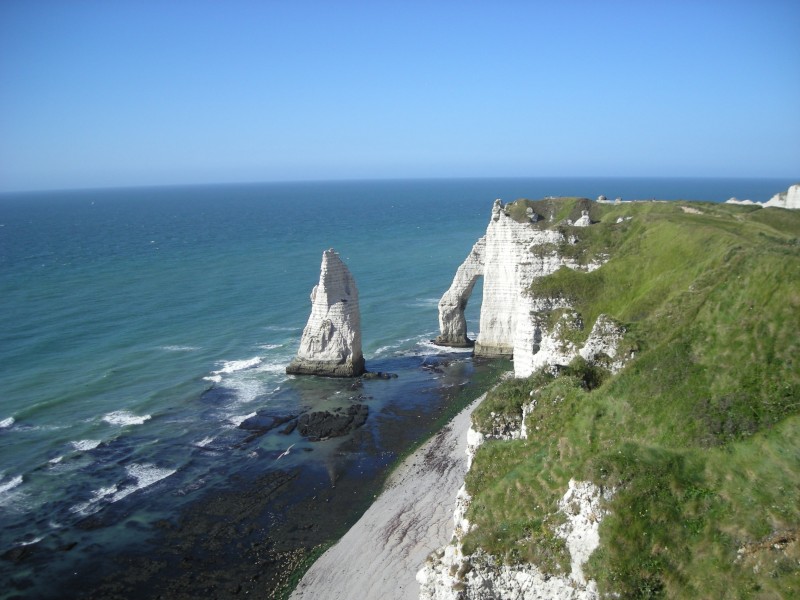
[380, 555]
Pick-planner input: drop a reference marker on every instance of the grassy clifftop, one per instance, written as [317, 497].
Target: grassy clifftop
[699, 434]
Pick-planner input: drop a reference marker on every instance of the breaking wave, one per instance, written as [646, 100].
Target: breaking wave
[180, 348]
[85, 445]
[7, 486]
[239, 419]
[143, 475]
[124, 417]
[233, 366]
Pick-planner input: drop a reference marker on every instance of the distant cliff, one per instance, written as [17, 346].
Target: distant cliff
[647, 447]
[789, 199]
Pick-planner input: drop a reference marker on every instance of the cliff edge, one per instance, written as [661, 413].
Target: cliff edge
[647, 447]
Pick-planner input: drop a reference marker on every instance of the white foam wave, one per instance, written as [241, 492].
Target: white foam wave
[6, 423]
[246, 378]
[144, 475]
[278, 366]
[269, 346]
[239, 419]
[31, 542]
[124, 417]
[7, 486]
[180, 348]
[281, 328]
[92, 505]
[35, 540]
[204, 442]
[85, 445]
[431, 348]
[232, 366]
[56, 460]
[420, 344]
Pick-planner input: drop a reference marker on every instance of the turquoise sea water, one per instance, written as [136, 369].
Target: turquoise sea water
[139, 327]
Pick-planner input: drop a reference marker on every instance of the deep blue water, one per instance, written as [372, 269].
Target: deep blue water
[139, 327]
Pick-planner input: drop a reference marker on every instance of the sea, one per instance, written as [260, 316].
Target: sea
[143, 331]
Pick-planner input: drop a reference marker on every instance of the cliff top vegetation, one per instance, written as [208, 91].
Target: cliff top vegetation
[698, 435]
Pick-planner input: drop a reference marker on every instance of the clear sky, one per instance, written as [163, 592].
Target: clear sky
[116, 93]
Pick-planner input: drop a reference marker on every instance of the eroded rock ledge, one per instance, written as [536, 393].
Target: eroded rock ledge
[449, 574]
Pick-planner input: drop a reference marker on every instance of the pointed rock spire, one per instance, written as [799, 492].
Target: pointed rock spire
[331, 342]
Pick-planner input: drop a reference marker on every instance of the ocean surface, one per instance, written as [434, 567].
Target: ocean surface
[140, 328]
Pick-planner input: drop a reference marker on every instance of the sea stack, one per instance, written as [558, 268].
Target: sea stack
[331, 342]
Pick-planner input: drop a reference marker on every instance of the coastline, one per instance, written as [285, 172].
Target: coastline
[380, 555]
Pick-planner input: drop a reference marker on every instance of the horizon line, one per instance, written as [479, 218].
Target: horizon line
[120, 187]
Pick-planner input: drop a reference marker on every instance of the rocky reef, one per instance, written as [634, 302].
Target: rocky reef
[331, 341]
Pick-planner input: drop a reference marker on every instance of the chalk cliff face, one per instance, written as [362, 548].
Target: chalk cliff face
[509, 257]
[449, 574]
[331, 341]
[787, 199]
[509, 269]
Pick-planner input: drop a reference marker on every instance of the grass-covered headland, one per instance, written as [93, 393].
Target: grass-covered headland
[698, 435]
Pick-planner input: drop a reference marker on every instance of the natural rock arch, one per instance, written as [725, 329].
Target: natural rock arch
[452, 321]
[510, 257]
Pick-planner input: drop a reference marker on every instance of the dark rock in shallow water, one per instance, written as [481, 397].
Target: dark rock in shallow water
[321, 425]
[261, 424]
[264, 423]
[302, 366]
[289, 428]
[378, 375]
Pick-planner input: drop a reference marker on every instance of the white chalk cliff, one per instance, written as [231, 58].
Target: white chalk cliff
[449, 574]
[789, 199]
[509, 257]
[331, 341]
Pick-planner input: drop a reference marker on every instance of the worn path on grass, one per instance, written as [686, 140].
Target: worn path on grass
[381, 554]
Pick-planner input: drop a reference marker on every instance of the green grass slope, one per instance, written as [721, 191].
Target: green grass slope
[699, 434]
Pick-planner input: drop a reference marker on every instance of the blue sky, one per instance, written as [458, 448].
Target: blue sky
[98, 93]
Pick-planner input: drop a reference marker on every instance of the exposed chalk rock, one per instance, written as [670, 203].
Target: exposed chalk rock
[602, 345]
[534, 344]
[452, 322]
[503, 257]
[584, 220]
[513, 322]
[787, 199]
[331, 341]
[449, 574]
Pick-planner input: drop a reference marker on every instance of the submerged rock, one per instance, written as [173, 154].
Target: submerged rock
[331, 342]
[321, 425]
